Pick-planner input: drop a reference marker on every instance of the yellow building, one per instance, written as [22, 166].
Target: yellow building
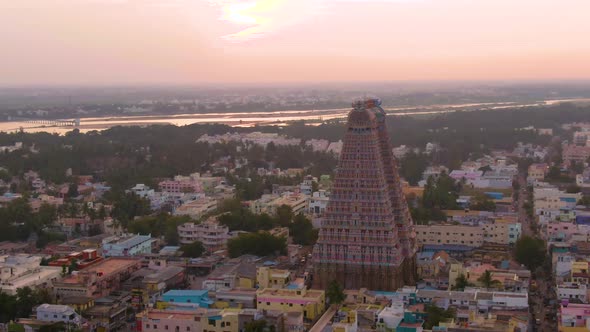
[347, 324]
[311, 303]
[579, 273]
[471, 236]
[78, 303]
[272, 278]
[455, 271]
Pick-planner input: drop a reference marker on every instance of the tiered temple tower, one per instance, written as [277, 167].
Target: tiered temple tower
[367, 238]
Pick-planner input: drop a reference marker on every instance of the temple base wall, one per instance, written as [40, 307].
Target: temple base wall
[352, 276]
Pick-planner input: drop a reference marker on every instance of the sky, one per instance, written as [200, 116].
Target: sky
[96, 42]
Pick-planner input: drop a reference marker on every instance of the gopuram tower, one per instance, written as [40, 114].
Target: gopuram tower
[367, 237]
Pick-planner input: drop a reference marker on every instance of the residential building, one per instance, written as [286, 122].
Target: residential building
[127, 245]
[575, 153]
[306, 187]
[236, 298]
[505, 230]
[570, 291]
[142, 190]
[197, 208]
[213, 235]
[318, 202]
[57, 313]
[367, 238]
[97, 280]
[198, 297]
[240, 272]
[472, 236]
[573, 317]
[182, 184]
[108, 314]
[23, 270]
[537, 172]
[155, 320]
[267, 277]
[310, 302]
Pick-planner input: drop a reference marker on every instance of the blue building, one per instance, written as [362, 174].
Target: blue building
[200, 297]
[130, 245]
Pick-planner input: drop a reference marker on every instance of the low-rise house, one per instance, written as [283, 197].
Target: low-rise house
[23, 270]
[267, 277]
[57, 313]
[310, 302]
[98, 280]
[127, 245]
[198, 297]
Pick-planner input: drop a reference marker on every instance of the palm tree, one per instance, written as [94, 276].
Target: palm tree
[487, 280]
[461, 282]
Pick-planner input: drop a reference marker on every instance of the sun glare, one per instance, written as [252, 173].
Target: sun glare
[240, 13]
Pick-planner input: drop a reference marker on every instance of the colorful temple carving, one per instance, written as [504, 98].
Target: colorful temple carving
[367, 238]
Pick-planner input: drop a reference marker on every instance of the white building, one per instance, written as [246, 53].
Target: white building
[142, 190]
[24, 270]
[390, 317]
[58, 313]
[318, 202]
[213, 236]
[568, 291]
[127, 245]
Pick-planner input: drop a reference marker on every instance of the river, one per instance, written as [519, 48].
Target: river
[248, 119]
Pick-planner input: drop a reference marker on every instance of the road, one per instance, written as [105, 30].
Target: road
[324, 320]
[545, 292]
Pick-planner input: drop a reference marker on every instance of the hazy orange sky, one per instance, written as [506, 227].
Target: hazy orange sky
[196, 41]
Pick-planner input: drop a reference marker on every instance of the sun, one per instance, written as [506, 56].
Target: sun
[240, 13]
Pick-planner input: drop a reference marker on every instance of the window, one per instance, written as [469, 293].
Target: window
[155, 326]
[165, 327]
[188, 328]
[267, 303]
[147, 326]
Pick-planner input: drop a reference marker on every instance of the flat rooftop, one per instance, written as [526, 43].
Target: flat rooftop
[167, 314]
[106, 267]
[286, 292]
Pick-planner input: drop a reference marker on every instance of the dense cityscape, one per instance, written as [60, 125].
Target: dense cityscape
[336, 227]
[294, 166]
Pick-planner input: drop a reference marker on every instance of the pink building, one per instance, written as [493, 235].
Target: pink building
[182, 186]
[560, 231]
[575, 153]
[171, 320]
[574, 315]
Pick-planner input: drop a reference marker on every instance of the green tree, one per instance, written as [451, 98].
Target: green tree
[335, 292]
[483, 203]
[195, 249]
[73, 190]
[128, 206]
[259, 325]
[284, 215]
[259, 244]
[573, 189]
[412, 167]
[47, 215]
[487, 280]
[435, 315]
[530, 251]
[461, 282]
[302, 231]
